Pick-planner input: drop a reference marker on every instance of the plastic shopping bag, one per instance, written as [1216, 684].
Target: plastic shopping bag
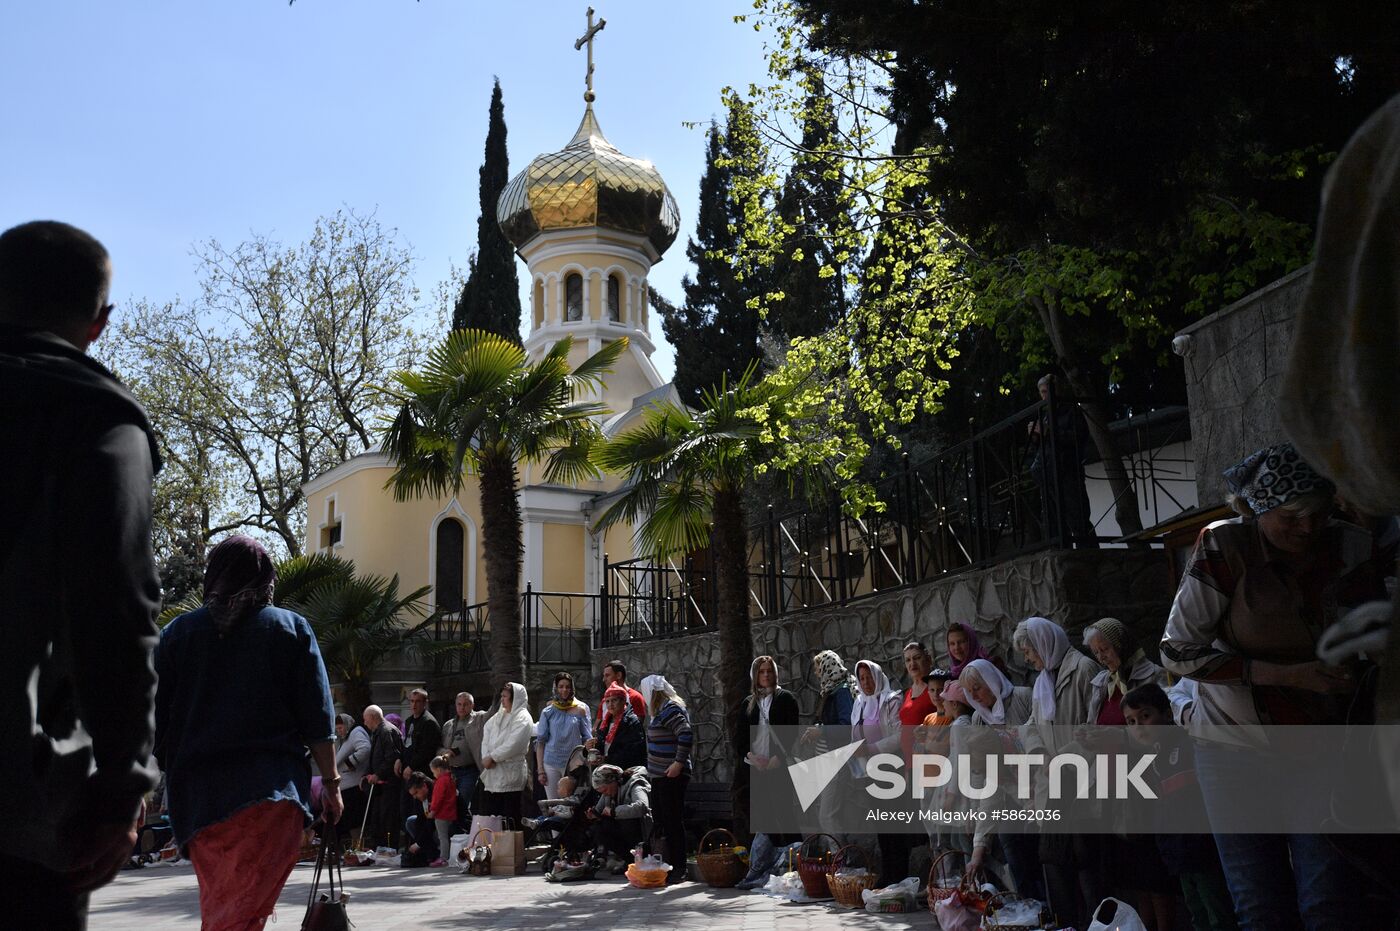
[903, 896]
[953, 915]
[1115, 915]
[786, 886]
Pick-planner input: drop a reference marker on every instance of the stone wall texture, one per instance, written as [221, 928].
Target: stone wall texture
[1072, 588]
[1235, 361]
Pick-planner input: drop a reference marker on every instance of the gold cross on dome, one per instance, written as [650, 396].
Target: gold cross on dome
[587, 39]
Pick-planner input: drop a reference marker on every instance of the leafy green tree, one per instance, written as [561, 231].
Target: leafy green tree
[490, 299]
[1103, 187]
[267, 380]
[715, 331]
[685, 473]
[479, 404]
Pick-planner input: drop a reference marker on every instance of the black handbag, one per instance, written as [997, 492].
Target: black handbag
[326, 912]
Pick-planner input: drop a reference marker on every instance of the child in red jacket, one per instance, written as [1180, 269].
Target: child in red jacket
[443, 807]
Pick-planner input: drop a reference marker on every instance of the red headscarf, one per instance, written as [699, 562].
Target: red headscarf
[614, 691]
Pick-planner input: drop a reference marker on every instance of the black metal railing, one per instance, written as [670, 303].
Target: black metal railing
[556, 631]
[642, 600]
[992, 497]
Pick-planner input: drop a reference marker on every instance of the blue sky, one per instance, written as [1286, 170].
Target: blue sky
[156, 124]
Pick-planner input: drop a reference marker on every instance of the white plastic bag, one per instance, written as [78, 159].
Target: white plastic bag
[1115, 915]
[903, 896]
[455, 846]
[786, 886]
[1023, 912]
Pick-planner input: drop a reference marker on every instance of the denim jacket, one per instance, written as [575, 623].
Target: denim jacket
[236, 714]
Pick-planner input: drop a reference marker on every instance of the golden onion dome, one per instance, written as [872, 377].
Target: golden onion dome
[588, 183]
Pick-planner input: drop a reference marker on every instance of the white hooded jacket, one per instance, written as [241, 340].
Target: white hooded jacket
[506, 740]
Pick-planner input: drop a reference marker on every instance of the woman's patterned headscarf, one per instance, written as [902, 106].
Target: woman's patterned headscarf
[1272, 477]
[832, 673]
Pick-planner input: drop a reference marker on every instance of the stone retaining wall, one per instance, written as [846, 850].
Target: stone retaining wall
[1234, 361]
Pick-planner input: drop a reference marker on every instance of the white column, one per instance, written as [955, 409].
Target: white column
[558, 298]
[533, 564]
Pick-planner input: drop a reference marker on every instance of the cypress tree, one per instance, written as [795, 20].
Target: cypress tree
[810, 205]
[490, 300]
[713, 331]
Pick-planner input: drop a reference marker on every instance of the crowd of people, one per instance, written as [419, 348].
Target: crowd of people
[621, 776]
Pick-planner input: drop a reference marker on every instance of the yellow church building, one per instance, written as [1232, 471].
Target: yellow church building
[589, 223]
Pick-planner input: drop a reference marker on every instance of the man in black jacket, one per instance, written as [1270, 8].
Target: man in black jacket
[421, 737]
[81, 590]
[385, 763]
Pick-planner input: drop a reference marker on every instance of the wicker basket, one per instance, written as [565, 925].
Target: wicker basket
[646, 879]
[994, 904]
[720, 867]
[939, 887]
[846, 890]
[966, 886]
[812, 868]
[310, 847]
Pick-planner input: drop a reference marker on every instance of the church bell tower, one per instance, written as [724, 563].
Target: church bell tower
[590, 222]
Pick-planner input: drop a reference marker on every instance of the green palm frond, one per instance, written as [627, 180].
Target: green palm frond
[648, 446]
[675, 461]
[573, 462]
[591, 370]
[299, 576]
[168, 612]
[361, 619]
[679, 521]
[478, 395]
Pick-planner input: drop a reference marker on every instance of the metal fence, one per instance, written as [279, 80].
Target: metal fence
[992, 497]
[556, 631]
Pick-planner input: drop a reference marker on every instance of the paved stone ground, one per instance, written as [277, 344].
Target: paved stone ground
[387, 899]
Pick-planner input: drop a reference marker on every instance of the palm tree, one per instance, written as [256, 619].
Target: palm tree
[359, 620]
[480, 405]
[685, 474]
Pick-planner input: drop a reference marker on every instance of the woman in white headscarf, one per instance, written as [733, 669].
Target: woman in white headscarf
[505, 740]
[1074, 864]
[669, 745]
[997, 703]
[1065, 681]
[994, 700]
[875, 714]
[875, 720]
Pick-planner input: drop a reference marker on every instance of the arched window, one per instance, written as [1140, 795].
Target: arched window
[614, 298]
[573, 297]
[447, 588]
